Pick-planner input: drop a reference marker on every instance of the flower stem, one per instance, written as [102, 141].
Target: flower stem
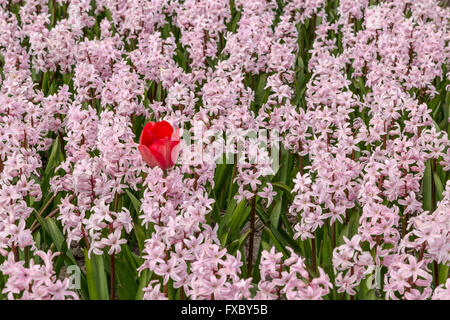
[113, 270]
[405, 222]
[333, 235]
[41, 212]
[436, 274]
[113, 276]
[252, 237]
[15, 252]
[181, 293]
[112, 256]
[433, 188]
[313, 248]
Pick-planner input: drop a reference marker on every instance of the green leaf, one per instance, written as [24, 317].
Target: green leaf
[260, 91]
[354, 224]
[426, 188]
[136, 203]
[237, 244]
[326, 250]
[96, 277]
[92, 289]
[140, 235]
[159, 92]
[52, 159]
[223, 238]
[236, 217]
[364, 292]
[225, 221]
[40, 220]
[344, 233]
[219, 177]
[235, 21]
[238, 220]
[45, 80]
[438, 129]
[127, 285]
[281, 247]
[58, 238]
[282, 186]
[127, 255]
[265, 245]
[143, 281]
[439, 187]
[275, 214]
[215, 213]
[443, 273]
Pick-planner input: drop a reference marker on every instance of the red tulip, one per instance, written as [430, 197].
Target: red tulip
[159, 144]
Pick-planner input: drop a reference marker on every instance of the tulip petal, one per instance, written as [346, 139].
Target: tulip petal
[148, 156]
[175, 151]
[147, 137]
[162, 152]
[162, 130]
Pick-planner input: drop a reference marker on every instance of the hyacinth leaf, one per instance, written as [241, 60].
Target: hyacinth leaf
[367, 287]
[237, 244]
[235, 21]
[241, 222]
[92, 288]
[283, 171]
[41, 221]
[287, 223]
[260, 92]
[275, 214]
[256, 272]
[229, 213]
[136, 203]
[223, 237]
[96, 277]
[286, 188]
[327, 250]
[131, 263]
[140, 236]
[238, 214]
[58, 238]
[159, 92]
[53, 158]
[215, 213]
[354, 223]
[282, 186]
[262, 214]
[447, 111]
[443, 273]
[344, 233]
[144, 277]
[265, 245]
[127, 286]
[434, 105]
[219, 177]
[436, 126]
[283, 238]
[45, 80]
[279, 246]
[427, 187]
[439, 186]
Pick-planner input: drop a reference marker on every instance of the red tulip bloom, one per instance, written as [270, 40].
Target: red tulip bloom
[159, 144]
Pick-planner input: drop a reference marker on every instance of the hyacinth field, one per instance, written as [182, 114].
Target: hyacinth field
[224, 149]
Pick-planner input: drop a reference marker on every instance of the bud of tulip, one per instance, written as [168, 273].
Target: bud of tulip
[159, 144]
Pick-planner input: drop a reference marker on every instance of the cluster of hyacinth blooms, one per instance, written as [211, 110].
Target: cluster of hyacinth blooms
[96, 98]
